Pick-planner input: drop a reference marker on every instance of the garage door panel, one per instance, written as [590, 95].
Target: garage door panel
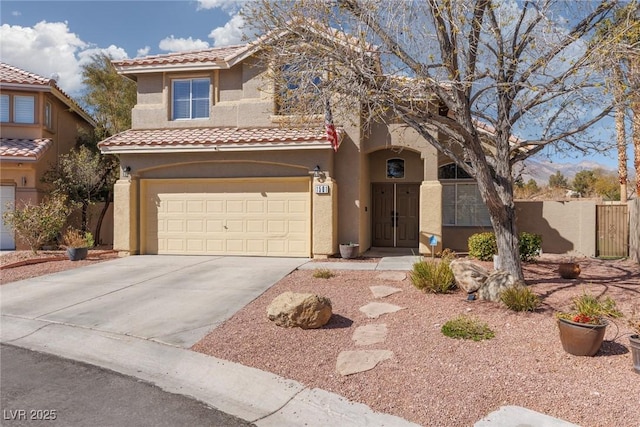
[235, 217]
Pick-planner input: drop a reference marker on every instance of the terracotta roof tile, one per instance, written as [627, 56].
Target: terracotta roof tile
[28, 149]
[15, 75]
[207, 55]
[194, 138]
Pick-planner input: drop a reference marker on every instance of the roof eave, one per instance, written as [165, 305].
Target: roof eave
[318, 145]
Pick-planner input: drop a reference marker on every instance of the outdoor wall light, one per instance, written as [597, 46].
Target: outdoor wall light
[316, 172]
[126, 170]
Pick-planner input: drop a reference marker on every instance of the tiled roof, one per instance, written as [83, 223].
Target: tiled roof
[11, 74]
[27, 149]
[207, 55]
[214, 138]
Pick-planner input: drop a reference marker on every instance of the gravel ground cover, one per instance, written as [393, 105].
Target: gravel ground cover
[434, 380]
[431, 379]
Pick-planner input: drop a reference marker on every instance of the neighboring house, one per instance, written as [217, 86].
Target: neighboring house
[38, 122]
[209, 168]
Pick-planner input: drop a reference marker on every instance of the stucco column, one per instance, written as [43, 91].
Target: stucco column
[430, 215]
[324, 227]
[125, 214]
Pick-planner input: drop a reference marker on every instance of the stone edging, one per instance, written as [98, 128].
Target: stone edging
[50, 259]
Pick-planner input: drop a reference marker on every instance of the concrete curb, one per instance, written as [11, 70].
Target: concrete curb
[256, 396]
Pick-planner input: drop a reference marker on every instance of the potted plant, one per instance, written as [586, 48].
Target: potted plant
[569, 269]
[349, 250]
[77, 243]
[582, 329]
[634, 340]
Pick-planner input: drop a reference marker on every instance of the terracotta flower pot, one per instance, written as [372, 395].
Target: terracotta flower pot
[569, 270]
[634, 343]
[581, 339]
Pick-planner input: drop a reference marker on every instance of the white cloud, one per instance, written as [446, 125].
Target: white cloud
[16, 13]
[172, 44]
[44, 49]
[143, 51]
[228, 5]
[231, 33]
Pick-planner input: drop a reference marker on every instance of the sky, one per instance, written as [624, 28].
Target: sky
[58, 37]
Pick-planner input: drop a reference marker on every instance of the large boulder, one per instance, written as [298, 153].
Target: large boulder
[307, 311]
[469, 276]
[498, 281]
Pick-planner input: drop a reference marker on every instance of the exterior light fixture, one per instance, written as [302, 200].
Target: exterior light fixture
[316, 172]
[126, 170]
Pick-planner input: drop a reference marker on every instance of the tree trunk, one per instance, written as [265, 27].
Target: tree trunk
[621, 134]
[84, 217]
[105, 208]
[504, 227]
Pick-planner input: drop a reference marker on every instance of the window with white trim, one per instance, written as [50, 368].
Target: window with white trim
[461, 201]
[4, 108]
[24, 109]
[190, 99]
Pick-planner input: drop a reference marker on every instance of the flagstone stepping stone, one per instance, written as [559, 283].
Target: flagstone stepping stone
[354, 361]
[397, 276]
[370, 334]
[383, 291]
[373, 310]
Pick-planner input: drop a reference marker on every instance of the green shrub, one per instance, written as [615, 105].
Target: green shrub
[323, 273]
[519, 298]
[37, 224]
[483, 246]
[434, 275]
[467, 328]
[530, 245]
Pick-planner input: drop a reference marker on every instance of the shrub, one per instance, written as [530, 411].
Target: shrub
[38, 224]
[519, 298]
[483, 246]
[467, 328]
[530, 245]
[434, 275]
[323, 273]
[73, 238]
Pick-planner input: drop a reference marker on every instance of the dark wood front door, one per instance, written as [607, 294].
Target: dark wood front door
[395, 210]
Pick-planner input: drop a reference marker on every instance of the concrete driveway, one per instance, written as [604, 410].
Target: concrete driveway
[174, 300]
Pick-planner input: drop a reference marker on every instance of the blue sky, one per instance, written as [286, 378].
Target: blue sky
[47, 37]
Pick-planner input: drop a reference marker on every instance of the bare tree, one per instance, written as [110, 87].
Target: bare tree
[459, 72]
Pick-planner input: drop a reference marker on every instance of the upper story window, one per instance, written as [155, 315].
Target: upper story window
[298, 91]
[48, 115]
[462, 204]
[17, 109]
[190, 99]
[24, 109]
[4, 108]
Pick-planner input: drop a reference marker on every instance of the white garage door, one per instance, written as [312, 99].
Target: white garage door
[262, 217]
[7, 202]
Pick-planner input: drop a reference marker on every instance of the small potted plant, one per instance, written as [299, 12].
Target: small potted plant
[77, 243]
[569, 269]
[582, 329]
[349, 250]
[634, 340]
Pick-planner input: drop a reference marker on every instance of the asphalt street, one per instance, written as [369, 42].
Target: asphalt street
[38, 389]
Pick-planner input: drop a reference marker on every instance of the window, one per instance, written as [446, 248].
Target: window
[48, 121]
[4, 108]
[24, 109]
[395, 168]
[190, 99]
[298, 90]
[461, 201]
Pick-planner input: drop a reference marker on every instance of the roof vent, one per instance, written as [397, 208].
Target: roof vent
[55, 77]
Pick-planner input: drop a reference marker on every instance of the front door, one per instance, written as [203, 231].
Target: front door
[395, 215]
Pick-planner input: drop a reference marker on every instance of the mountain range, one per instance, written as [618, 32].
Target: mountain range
[541, 170]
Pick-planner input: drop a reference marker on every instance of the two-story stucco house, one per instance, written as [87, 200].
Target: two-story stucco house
[38, 122]
[209, 168]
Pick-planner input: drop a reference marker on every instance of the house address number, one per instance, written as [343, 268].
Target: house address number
[322, 189]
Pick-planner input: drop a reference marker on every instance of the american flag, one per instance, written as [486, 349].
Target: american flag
[332, 135]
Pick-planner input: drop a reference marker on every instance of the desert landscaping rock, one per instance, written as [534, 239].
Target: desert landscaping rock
[307, 311]
[383, 291]
[370, 334]
[497, 282]
[469, 276]
[373, 310]
[352, 362]
[394, 276]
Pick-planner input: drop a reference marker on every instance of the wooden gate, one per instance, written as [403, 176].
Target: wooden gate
[612, 231]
